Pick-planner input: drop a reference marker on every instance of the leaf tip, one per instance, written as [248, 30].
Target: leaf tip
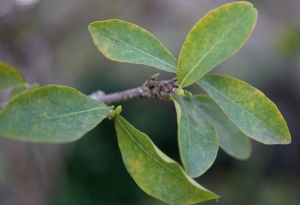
[91, 25]
[288, 140]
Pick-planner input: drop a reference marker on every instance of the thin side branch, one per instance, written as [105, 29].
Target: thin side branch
[150, 89]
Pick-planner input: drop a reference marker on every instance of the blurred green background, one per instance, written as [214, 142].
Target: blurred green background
[49, 43]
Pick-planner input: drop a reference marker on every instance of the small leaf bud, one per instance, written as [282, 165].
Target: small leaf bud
[155, 76]
[187, 93]
[180, 92]
[118, 110]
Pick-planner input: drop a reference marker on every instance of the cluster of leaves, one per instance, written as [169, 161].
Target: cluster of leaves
[232, 112]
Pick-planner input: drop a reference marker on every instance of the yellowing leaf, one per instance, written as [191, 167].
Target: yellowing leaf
[197, 138]
[216, 37]
[50, 114]
[256, 115]
[9, 76]
[125, 42]
[153, 171]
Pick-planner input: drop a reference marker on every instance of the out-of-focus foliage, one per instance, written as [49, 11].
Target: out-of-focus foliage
[290, 43]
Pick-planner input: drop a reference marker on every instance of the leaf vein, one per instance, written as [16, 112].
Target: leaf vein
[158, 162]
[137, 49]
[212, 48]
[64, 115]
[240, 107]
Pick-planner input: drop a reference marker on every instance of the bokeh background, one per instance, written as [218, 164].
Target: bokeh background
[49, 43]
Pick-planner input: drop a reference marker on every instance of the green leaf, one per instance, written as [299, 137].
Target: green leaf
[256, 115]
[50, 114]
[231, 139]
[153, 171]
[197, 138]
[125, 42]
[216, 37]
[9, 76]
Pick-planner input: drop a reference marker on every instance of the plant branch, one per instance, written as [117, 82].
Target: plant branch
[152, 88]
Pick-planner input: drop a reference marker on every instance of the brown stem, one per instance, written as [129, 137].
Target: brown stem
[152, 88]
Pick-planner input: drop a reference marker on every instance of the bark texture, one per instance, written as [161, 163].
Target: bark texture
[152, 88]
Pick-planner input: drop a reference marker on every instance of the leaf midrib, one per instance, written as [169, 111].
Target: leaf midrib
[201, 59]
[173, 67]
[64, 115]
[241, 108]
[158, 162]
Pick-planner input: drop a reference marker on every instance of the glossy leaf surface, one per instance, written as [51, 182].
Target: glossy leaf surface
[50, 114]
[153, 171]
[256, 115]
[125, 42]
[197, 138]
[231, 139]
[9, 76]
[216, 37]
